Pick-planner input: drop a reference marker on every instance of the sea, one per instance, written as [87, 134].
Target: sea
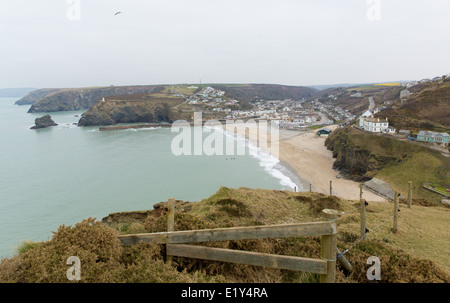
[64, 174]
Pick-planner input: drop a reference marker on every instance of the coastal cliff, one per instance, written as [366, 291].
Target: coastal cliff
[78, 98]
[362, 156]
[130, 109]
[36, 95]
[355, 155]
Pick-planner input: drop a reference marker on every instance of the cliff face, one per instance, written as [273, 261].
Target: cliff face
[360, 155]
[130, 109]
[36, 95]
[83, 98]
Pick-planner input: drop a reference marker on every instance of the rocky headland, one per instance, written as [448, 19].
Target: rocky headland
[131, 109]
[53, 100]
[36, 95]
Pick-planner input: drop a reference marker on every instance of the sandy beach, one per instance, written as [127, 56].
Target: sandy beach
[305, 154]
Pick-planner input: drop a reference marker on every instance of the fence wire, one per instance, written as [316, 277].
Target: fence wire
[371, 230]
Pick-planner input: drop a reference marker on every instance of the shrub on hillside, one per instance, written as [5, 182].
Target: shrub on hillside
[96, 245]
[103, 259]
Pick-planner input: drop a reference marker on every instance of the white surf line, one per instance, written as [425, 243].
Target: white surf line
[265, 159]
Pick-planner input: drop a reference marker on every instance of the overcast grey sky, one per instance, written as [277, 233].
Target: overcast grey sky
[290, 42]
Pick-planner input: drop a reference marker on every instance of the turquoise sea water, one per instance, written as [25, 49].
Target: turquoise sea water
[63, 174]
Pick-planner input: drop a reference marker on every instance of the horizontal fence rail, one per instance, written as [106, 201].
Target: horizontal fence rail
[250, 258]
[175, 242]
[233, 233]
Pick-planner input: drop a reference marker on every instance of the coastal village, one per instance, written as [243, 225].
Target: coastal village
[313, 113]
[291, 114]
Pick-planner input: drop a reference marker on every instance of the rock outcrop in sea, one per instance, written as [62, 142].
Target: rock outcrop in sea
[43, 122]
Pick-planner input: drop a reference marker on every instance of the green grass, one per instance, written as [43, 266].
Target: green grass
[25, 246]
[420, 168]
[422, 231]
[314, 127]
[362, 88]
[438, 188]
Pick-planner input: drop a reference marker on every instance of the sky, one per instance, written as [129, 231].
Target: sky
[79, 43]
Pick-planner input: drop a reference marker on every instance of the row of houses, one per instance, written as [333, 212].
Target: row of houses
[375, 125]
[442, 139]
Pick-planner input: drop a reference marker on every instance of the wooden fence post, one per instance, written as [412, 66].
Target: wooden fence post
[170, 222]
[331, 188]
[395, 212]
[363, 218]
[360, 191]
[328, 249]
[295, 188]
[310, 187]
[410, 194]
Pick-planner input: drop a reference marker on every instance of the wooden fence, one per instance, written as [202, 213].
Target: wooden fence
[363, 206]
[176, 242]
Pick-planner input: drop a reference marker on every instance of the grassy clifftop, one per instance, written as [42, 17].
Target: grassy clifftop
[415, 254]
[362, 156]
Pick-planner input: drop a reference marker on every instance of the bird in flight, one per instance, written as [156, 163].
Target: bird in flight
[117, 13]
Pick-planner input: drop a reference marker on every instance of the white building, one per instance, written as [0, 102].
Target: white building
[375, 125]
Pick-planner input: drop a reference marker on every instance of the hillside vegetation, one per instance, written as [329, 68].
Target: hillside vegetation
[362, 156]
[415, 254]
[251, 92]
[383, 95]
[427, 109]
